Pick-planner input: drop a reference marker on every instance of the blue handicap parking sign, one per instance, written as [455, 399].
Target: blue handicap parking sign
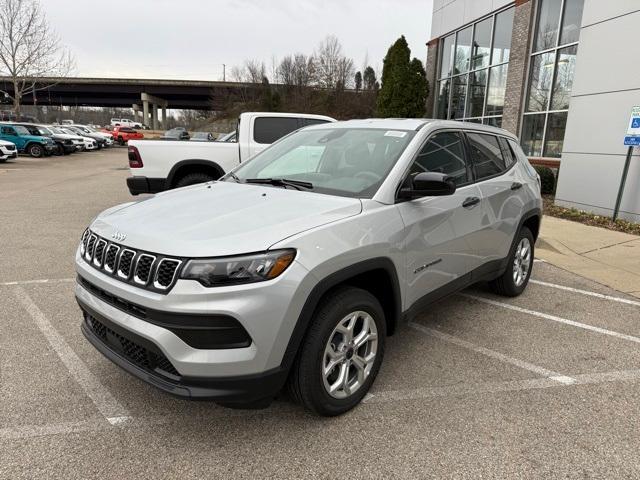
[635, 123]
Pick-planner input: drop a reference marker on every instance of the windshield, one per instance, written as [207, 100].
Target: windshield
[44, 131]
[350, 162]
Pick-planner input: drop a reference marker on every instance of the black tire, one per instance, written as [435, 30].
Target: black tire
[121, 141]
[193, 179]
[35, 150]
[59, 150]
[306, 382]
[506, 285]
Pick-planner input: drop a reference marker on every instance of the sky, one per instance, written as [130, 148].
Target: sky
[192, 39]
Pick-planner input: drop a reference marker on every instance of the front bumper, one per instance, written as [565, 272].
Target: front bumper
[139, 185]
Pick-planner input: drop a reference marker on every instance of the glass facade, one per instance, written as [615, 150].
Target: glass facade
[551, 72]
[472, 75]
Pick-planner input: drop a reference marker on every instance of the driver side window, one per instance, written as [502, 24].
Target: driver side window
[443, 153]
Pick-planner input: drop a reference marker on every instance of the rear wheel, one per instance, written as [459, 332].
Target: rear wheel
[515, 279]
[341, 354]
[121, 141]
[193, 179]
[35, 150]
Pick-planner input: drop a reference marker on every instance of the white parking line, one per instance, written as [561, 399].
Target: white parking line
[38, 282]
[555, 376]
[554, 318]
[101, 397]
[585, 292]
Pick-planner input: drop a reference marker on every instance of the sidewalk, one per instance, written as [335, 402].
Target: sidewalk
[605, 256]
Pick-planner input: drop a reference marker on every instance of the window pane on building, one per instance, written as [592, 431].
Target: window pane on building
[486, 155]
[443, 153]
[548, 21]
[555, 134]
[463, 51]
[481, 49]
[447, 56]
[497, 88]
[572, 21]
[443, 99]
[493, 121]
[458, 97]
[540, 82]
[532, 133]
[477, 88]
[502, 37]
[565, 70]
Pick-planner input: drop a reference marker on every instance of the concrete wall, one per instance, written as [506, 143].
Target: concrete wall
[606, 87]
[449, 15]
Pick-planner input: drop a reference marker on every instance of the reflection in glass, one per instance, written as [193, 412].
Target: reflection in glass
[565, 70]
[571, 21]
[477, 88]
[463, 50]
[540, 82]
[458, 97]
[502, 37]
[497, 88]
[493, 121]
[443, 99]
[447, 56]
[548, 20]
[532, 132]
[555, 134]
[481, 44]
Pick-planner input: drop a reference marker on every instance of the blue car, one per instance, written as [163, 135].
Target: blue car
[34, 145]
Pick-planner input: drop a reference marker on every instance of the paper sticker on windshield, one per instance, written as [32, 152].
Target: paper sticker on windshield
[395, 133]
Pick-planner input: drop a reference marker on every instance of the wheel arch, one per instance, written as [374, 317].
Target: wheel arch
[184, 167]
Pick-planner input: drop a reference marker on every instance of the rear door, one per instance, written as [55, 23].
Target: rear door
[440, 232]
[499, 186]
[9, 134]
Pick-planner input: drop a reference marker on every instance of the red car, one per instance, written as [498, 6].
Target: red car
[123, 134]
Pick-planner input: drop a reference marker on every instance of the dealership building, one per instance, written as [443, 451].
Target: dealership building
[561, 74]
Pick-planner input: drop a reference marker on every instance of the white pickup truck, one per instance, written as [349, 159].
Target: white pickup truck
[158, 165]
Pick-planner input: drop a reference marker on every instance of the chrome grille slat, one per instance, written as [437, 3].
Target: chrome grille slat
[142, 269]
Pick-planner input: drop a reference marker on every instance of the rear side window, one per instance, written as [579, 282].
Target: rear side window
[443, 153]
[486, 155]
[507, 153]
[8, 131]
[267, 130]
[305, 122]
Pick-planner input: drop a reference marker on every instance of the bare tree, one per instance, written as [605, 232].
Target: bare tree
[29, 50]
[333, 69]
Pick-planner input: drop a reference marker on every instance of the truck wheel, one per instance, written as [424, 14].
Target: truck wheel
[515, 279]
[193, 179]
[121, 141]
[35, 150]
[341, 354]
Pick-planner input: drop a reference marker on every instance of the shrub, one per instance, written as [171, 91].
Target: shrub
[547, 180]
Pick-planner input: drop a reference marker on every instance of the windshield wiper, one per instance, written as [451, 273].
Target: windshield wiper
[281, 182]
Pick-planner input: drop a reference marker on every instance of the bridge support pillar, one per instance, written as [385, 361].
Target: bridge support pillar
[145, 112]
[164, 117]
[155, 103]
[155, 117]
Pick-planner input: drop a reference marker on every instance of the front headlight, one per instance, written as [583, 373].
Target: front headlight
[258, 267]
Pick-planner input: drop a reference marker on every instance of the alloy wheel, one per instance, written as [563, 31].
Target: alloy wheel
[522, 262]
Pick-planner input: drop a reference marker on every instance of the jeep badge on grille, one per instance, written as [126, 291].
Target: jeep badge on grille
[119, 236]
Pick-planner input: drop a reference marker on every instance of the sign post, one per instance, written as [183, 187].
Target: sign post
[632, 139]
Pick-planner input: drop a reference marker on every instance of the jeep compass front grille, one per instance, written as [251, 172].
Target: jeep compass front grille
[142, 269]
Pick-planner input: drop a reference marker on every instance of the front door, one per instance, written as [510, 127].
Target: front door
[440, 231]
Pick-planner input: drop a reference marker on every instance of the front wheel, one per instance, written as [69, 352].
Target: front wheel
[341, 354]
[520, 263]
[36, 151]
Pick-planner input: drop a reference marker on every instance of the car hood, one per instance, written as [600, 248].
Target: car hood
[6, 143]
[221, 218]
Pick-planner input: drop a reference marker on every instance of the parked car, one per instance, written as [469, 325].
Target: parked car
[202, 137]
[295, 267]
[228, 137]
[89, 142]
[64, 144]
[158, 165]
[122, 135]
[106, 135]
[78, 141]
[178, 133]
[84, 131]
[125, 122]
[7, 150]
[67, 122]
[25, 142]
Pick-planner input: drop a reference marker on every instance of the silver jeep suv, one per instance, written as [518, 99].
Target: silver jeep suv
[293, 269]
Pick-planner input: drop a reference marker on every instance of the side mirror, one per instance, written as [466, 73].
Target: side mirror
[428, 184]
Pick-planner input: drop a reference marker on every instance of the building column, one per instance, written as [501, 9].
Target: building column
[155, 117]
[145, 112]
[164, 117]
[518, 62]
[432, 76]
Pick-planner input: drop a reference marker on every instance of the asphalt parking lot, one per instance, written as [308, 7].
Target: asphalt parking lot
[544, 385]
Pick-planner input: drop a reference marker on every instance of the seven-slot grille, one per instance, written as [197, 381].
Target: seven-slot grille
[142, 269]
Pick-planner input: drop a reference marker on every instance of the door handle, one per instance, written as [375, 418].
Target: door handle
[516, 186]
[471, 202]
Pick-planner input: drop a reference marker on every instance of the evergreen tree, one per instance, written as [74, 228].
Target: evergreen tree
[404, 83]
[369, 79]
[358, 81]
